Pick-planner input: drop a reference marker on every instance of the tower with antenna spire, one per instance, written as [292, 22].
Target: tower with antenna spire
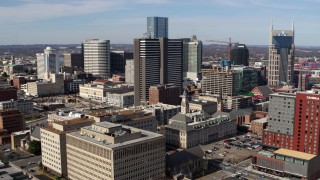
[281, 56]
[184, 102]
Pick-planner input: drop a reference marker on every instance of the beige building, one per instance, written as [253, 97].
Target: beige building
[135, 118]
[53, 144]
[200, 105]
[98, 92]
[121, 99]
[116, 152]
[52, 85]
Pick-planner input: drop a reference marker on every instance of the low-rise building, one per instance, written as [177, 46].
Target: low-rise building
[112, 151]
[53, 85]
[7, 92]
[162, 112]
[135, 118]
[192, 129]
[257, 126]
[18, 137]
[24, 106]
[53, 144]
[164, 93]
[120, 99]
[10, 121]
[288, 163]
[200, 105]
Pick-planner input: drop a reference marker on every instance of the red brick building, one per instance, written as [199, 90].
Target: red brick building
[18, 81]
[10, 121]
[7, 93]
[167, 94]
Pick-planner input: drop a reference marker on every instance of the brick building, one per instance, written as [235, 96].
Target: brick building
[10, 121]
[7, 93]
[167, 94]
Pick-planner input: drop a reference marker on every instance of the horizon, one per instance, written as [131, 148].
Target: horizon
[121, 21]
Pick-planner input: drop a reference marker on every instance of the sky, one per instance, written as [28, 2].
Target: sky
[120, 21]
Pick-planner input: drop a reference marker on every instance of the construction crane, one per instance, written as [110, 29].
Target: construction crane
[225, 42]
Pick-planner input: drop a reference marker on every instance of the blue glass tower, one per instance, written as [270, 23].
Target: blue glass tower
[157, 27]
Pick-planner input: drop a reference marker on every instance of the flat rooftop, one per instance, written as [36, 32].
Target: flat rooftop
[74, 121]
[295, 154]
[146, 135]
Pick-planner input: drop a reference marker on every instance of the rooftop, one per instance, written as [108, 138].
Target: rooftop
[74, 121]
[295, 154]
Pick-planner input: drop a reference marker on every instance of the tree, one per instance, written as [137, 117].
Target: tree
[34, 147]
[4, 74]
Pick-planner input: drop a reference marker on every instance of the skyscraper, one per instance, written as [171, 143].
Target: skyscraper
[156, 61]
[47, 62]
[118, 61]
[157, 27]
[281, 57]
[97, 57]
[192, 58]
[240, 55]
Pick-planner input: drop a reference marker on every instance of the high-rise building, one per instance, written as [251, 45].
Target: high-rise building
[113, 151]
[157, 27]
[97, 57]
[73, 60]
[129, 74]
[192, 58]
[281, 57]
[156, 61]
[217, 81]
[53, 144]
[240, 55]
[118, 61]
[47, 62]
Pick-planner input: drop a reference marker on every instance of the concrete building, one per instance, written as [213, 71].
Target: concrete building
[257, 126]
[281, 57]
[120, 99]
[24, 106]
[113, 151]
[12, 120]
[157, 27]
[162, 112]
[50, 86]
[7, 93]
[64, 114]
[18, 139]
[216, 81]
[164, 93]
[97, 57]
[72, 86]
[288, 163]
[200, 105]
[240, 55]
[156, 61]
[73, 60]
[53, 144]
[192, 129]
[118, 61]
[98, 92]
[47, 62]
[192, 58]
[134, 118]
[248, 78]
[129, 71]
[280, 130]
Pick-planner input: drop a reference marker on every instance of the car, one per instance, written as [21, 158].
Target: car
[222, 155]
[31, 163]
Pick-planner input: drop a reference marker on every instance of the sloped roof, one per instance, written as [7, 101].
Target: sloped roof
[265, 90]
[240, 112]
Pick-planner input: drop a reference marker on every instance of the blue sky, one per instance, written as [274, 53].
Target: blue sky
[120, 21]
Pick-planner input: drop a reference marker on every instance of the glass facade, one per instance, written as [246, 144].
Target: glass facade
[157, 27]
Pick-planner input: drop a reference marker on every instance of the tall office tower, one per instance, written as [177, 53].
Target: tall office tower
[156, 61]
[157, 27]
[281, 57]
[217, 81]
[118, 61]
[192, 58]
[53, 144]
[73, 60]
[97, 57]
[113, 151]
[47, 62]
[240, 55]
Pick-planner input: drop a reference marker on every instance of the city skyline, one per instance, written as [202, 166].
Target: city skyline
[248, 21]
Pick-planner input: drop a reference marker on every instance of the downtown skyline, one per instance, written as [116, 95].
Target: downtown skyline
[246, 21]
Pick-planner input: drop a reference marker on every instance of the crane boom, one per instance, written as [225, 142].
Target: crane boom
[225, 42]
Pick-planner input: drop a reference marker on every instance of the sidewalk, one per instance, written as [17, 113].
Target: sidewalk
[250, 169]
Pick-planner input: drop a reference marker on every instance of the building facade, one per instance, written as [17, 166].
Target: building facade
[73, 60]
[11, 120]
[129, 74]
[53, 85]
[118, 61]
[53, 144]
[192, 58]
[113, 151]
[7, 93]
[240, 55]
[120, 99]
[156, 61]
[96, 55]
[157, 27]
[164, 93]
[47, 62]
[281, 57]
